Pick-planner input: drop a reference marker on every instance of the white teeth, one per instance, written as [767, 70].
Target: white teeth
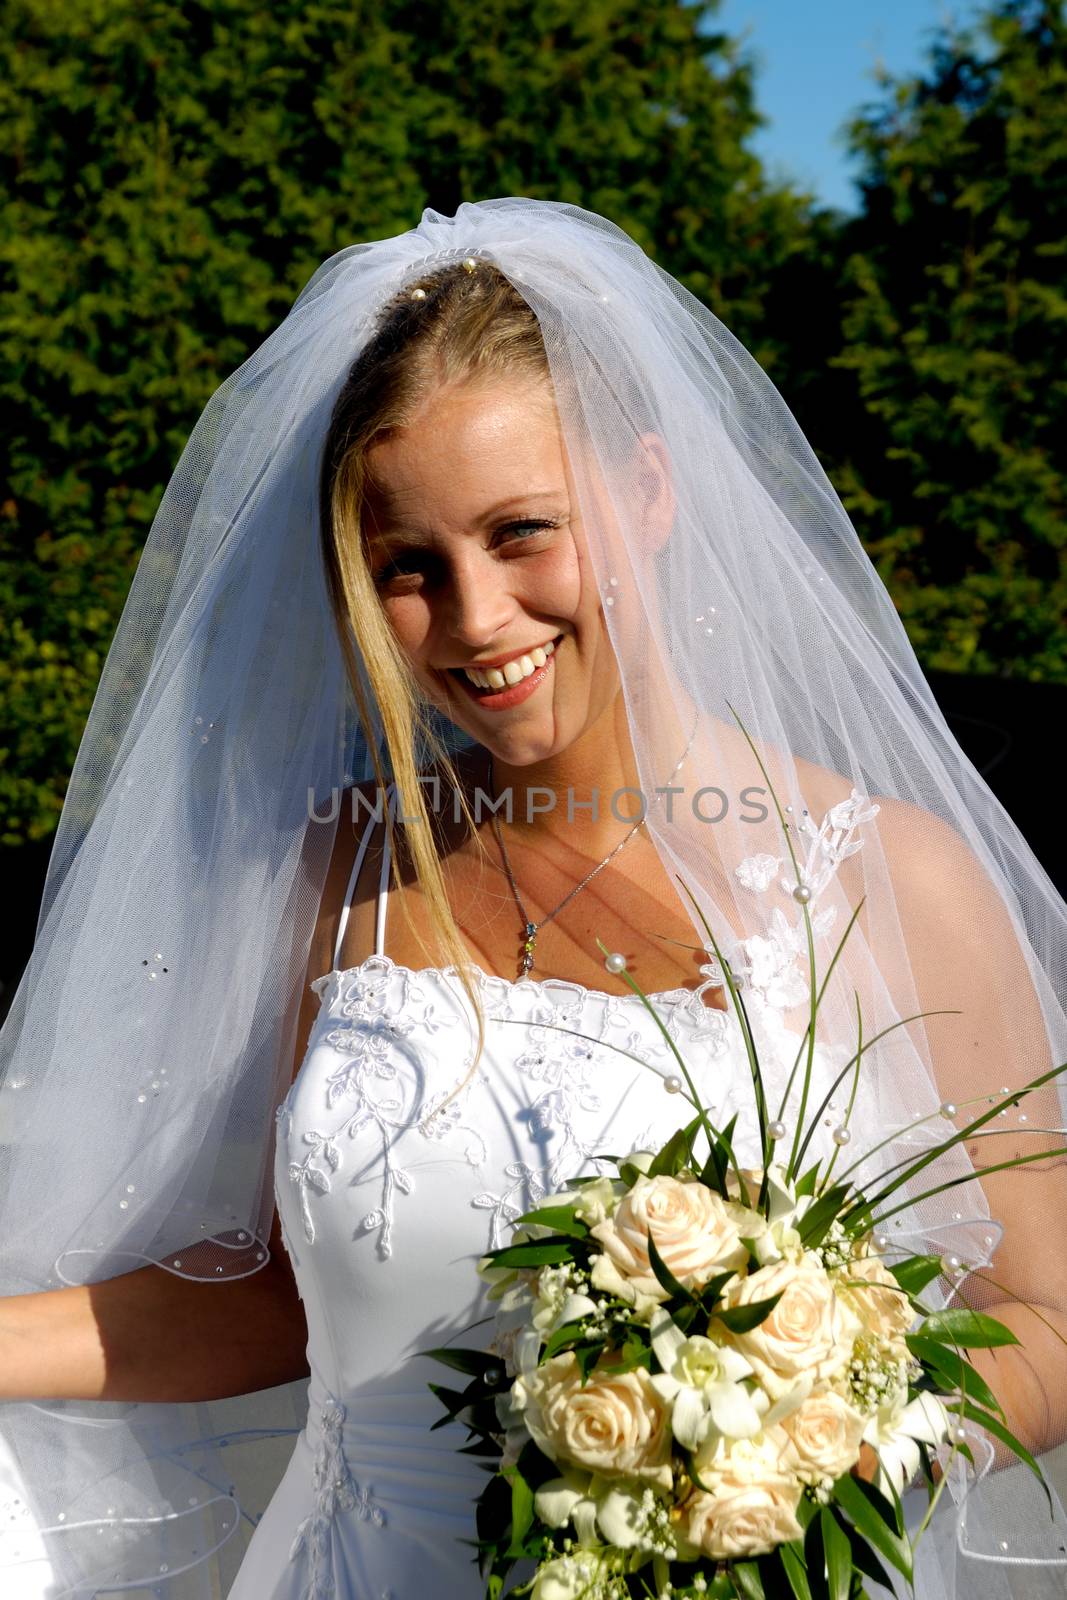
[512, 671]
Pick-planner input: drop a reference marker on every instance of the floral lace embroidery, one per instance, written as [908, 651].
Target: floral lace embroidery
[335, 1490]
[770, 962]
[507, 1207]
[371, 1032]
[376, 1007]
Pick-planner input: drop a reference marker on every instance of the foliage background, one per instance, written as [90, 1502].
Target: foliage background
[173, 172]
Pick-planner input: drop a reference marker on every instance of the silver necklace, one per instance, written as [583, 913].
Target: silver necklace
[530, 930]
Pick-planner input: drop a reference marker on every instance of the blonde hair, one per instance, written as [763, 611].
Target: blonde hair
[468, 323]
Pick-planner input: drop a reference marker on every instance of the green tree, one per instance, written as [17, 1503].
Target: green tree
[955, 334]
[173, 172]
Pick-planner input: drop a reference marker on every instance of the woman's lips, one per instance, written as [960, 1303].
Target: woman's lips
[512, 695]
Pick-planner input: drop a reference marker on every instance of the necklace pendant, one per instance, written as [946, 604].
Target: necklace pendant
[526, 963]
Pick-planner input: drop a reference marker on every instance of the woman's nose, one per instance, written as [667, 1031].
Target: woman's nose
[478, 605]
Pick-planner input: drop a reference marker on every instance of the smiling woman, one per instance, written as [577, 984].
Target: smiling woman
[499, 513]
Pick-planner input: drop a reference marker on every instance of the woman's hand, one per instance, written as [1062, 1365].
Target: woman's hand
[867, 1465]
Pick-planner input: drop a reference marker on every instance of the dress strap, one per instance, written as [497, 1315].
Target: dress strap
[352, 880]
[383, 879]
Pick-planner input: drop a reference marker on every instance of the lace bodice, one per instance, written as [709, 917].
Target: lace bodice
[389, 1189]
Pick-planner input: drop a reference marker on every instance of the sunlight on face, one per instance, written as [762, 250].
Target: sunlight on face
[480, 562]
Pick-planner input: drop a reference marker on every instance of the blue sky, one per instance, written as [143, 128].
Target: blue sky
[814, 61]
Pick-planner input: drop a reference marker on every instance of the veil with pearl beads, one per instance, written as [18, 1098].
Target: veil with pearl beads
[152, 1034]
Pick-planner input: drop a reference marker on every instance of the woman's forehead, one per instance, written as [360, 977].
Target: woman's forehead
[474, 461]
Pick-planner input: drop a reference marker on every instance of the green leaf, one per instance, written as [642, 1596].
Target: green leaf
[522, 1510]
[749, 1584]
[540, 1253]
[838, 1554]
[958, 1373]
[634, 1353]
[867, 1509]
[863, 1557]
[559, 1218]
[815, 1223]
[815, 1559]
[717, 1164]
[1004, 1434]
[806, 1183]
[629, 1173]
[561, 1338]
[664, 1276]
[677, 1152]
[472, 1362]
[451, 1399]
[685, 1314]
[714, 1288]
[586, 1356]
[739, 1319]
[916, 1272]
[792, 1562]
[971, 1329]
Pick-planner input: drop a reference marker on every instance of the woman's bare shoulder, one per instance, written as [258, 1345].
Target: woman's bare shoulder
[360, 812]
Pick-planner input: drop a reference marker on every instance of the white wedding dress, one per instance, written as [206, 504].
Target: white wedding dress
[386, 1206]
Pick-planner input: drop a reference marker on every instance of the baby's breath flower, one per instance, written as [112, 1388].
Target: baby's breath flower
[875, 1374]
[836, 1247]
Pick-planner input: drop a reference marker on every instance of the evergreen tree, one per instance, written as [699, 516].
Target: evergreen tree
[955, 333]
[175, 171]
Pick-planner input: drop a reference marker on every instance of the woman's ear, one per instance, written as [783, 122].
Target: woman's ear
[659, 501]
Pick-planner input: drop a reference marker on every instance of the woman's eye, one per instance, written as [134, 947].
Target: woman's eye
[525, 530]
[404, 567]
[406, 571]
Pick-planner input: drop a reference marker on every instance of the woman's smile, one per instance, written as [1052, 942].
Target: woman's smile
[509, 679]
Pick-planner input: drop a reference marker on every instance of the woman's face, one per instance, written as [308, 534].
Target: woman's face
[480, 563]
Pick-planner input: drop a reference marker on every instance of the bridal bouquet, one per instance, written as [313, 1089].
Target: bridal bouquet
[690, 1359]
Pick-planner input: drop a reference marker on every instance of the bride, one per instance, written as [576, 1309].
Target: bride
[495, 606]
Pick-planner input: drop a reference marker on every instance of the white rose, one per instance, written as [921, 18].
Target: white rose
[565, 1578]
[867, 1286]
[743, 1519]
[826, 1431]
[809, 1331]
[596, 1201]
[616, 1425]
[605, 1276]
[696, 1232]
[768, 1457]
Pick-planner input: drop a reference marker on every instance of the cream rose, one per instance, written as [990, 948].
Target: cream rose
[616, 1425]
[696, 1232]
[809, 1331]
[768, 1457]
[827, 1432]
[743, 1519]
[870, 1289]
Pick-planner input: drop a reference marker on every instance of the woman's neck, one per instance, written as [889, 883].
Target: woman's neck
[556, 795]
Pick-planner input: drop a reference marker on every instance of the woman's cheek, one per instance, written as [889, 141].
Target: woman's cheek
[408, 617]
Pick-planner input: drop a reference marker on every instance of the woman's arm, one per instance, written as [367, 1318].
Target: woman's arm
[966, 957]
[150, 1335]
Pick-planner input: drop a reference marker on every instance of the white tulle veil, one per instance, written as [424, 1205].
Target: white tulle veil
[152, 1035]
